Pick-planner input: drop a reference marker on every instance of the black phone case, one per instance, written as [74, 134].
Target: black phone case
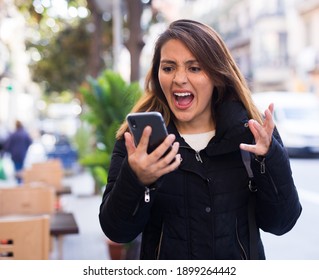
[138, 121]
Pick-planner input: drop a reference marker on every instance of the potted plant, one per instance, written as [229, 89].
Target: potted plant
[107, 100]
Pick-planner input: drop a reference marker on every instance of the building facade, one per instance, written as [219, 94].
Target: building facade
[273, 41]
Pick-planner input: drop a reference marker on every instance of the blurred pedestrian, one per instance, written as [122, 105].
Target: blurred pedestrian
[17, 146]
[200, 205]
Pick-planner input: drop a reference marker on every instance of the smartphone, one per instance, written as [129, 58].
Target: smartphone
[138, 121]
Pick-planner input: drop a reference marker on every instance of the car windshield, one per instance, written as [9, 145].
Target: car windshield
[309, 113]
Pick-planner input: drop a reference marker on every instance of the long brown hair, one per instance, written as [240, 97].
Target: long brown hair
[215, 59]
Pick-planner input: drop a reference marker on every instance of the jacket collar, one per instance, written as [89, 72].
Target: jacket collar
[231, 129]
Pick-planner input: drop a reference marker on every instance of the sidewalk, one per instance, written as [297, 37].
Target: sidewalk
[89, 244]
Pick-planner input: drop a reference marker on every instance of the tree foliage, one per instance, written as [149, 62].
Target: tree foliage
[63, 45]
[63, 61]
[70, 47]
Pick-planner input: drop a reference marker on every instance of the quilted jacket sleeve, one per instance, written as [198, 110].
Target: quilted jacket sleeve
[123, 211]
[277, 206]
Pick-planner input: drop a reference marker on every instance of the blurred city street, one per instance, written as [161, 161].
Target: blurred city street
[301, 242]
[64, 66]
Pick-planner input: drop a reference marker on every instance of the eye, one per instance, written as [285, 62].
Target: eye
[195, 69]
[167, 69]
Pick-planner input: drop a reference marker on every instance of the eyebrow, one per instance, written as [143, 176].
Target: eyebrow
[168, 61]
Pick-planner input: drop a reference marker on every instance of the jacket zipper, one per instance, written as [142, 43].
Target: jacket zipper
[147, 193]
[198, 157]
[262, 166]
[197, 153]
[263, 171]
[147, 196]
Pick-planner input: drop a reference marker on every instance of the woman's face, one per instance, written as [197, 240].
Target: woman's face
[187, 88]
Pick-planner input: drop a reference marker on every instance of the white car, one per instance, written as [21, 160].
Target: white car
[296, 116]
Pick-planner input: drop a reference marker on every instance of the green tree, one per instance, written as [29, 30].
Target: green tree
[68, 48]
[64, 60]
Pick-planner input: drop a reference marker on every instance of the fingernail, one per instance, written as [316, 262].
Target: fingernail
[176, 145]
[179, 157]
[172, 137]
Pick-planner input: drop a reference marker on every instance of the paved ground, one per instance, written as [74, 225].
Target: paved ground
[89, 244]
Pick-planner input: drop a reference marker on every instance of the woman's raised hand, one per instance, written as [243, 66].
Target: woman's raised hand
[262, 134]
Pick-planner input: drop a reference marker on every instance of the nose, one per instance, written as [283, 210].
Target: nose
[180, 76]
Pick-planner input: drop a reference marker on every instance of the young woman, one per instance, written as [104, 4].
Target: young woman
[199, 202]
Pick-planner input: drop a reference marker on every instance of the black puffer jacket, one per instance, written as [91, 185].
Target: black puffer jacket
[200, 210]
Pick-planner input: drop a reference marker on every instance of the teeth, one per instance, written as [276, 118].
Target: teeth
[182, 94]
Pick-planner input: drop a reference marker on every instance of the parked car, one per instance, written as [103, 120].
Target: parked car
[296, 116]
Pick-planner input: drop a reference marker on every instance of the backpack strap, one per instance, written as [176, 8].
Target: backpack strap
[253, 230]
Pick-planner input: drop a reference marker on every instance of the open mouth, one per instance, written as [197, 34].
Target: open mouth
[183, 99]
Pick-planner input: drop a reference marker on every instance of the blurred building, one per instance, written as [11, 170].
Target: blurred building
[17, 91]
[273, 41]
[308, 56]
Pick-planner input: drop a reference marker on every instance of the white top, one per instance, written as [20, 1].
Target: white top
[198, 141]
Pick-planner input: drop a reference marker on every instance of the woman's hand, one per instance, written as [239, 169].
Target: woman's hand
[262, 134]
[149, 167]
